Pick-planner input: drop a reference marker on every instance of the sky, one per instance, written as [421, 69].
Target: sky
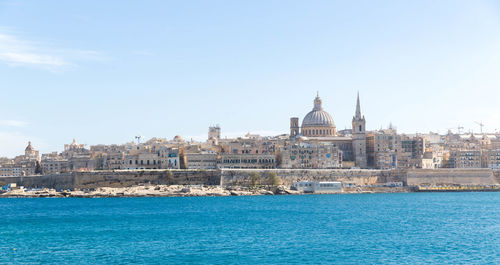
[105, 71]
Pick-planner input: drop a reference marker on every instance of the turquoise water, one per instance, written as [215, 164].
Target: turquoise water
[411, 228]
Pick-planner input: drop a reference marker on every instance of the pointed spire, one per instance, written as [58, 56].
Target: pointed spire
[358, 109]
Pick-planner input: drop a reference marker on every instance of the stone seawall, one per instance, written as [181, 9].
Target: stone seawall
[497, 175]
[118, 178]
[410, 177]
[480, 176]
[241, 177]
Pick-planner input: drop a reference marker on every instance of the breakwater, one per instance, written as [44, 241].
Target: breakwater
[246, 177]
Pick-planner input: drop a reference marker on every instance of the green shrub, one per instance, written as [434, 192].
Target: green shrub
[273, 179]
[254, 178]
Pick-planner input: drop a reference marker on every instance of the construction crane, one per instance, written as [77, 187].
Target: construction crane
[459, 129]
[481, 125]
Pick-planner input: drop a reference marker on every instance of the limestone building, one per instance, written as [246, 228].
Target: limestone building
[214, 135]
[318, 128]
[305, 154]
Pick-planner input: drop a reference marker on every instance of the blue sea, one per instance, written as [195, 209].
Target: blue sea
[414, 228]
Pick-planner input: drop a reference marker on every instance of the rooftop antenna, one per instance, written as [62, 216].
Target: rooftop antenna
[138, 138]
[460, 128]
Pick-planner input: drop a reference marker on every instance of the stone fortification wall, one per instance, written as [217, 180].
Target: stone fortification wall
[230, 177]
[497, 175]
[452, 176]
[95, 179]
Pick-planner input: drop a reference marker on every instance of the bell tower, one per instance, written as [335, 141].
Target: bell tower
[294, 127]
[359, 137]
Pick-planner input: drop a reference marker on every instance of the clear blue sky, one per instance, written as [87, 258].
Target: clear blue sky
[105, 71]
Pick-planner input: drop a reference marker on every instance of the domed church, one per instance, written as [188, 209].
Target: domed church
[317, 123]
[318, 126]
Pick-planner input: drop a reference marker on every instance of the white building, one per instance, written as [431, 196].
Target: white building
[318, 187]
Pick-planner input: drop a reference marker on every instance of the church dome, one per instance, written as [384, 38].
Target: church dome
[29, 147]
[178, 138]
[318, 123]
[318, 117]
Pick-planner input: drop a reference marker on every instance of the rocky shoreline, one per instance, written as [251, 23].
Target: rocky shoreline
[141, 191]
[168, 191]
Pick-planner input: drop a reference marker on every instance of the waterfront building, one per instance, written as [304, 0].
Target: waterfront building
[410, 151]
[201, 160]
[247, 160]
[142, 161]
[23, 165]
[382, 147]
[113, 160]
[249, 144]
[11, 171]
[318, 186]
[169, 157]
[310, 154]
[250, 151]
[53, 163]
[319, 126]
[81, 162]
[470, 158]
[494, 159]
[433, 157]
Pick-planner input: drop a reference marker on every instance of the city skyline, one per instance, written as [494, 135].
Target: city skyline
[147, 70]
[140, 139]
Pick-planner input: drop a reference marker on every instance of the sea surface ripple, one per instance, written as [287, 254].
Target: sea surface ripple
[413, 228]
